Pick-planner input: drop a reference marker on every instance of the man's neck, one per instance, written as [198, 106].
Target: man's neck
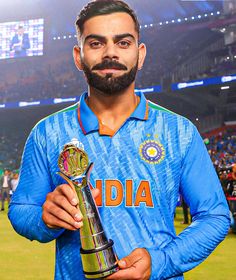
[112, 111]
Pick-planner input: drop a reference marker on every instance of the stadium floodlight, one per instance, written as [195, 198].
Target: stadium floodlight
[173, 21]
[58, 38]
[197, 119]
[160, 23]
[167, 22]
[206, 15]
[179, 20]
[69, 36]
[212, 14]
[64, 37]
[54, 38]
[193, 18]
[218, 12]
[151, 25]
[145, 26]
[186, 19]
[199, 16]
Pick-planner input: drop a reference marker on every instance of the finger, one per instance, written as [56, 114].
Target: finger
[63, 203]
[53, 222]
[131, 259]
[95, 193]
[49, 208]
[124, 274]
[69, 192]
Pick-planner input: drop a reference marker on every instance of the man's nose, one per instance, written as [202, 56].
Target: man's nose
[110, 52]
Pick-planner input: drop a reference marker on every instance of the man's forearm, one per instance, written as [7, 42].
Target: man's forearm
[27, 221]
[190, 248]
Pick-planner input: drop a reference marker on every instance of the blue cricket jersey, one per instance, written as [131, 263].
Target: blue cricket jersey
[140, 170]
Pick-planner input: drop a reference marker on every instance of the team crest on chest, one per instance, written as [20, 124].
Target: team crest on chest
[152, 151]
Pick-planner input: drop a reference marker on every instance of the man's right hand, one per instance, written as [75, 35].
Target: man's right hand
[60, 209]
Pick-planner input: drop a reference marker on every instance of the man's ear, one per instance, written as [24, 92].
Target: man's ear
[77, 58]
[142, 54]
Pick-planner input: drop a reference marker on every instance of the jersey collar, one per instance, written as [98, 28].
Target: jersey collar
[89, 122]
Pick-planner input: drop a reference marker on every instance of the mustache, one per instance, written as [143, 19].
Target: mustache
[109, 65]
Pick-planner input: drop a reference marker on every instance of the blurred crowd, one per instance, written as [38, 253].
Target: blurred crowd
[222, 149]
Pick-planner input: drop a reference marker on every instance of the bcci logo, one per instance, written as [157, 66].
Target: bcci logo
[152, 151]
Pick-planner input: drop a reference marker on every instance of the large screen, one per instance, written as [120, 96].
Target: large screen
[21, 38]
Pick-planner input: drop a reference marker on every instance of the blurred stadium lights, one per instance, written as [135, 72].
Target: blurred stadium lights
[167, 22]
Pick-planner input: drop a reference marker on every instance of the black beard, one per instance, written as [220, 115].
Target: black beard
[109, 85]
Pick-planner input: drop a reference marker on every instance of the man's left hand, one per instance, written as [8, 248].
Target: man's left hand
[137, 266]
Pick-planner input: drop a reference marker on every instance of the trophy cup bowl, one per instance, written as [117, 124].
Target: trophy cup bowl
[97, 253]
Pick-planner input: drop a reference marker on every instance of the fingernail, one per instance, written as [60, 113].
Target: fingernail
[74, 201]
[78, 224]
[78, 217]
[122, 263]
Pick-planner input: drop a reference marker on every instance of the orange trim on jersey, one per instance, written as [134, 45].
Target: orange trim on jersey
[146, 112]
[80, 122]
[105, 130]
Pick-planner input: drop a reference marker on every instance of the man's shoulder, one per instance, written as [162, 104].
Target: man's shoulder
[61, 114]
[166, 114]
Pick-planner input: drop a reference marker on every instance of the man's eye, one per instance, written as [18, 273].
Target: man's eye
[95, 44]
[124, 44]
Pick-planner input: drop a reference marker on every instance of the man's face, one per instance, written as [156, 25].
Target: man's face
[109, 52]
[21, 31]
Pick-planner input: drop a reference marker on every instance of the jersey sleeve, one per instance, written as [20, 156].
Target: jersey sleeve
[25, 211]
[203, 193]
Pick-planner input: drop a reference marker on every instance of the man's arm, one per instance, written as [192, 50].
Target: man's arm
[203, 193]
[25, 212]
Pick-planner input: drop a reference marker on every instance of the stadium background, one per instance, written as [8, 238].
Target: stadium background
[190, 69]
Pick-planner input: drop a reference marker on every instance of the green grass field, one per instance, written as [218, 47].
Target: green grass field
[25, 260]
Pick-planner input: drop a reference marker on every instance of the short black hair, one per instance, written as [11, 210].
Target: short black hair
[104, 7]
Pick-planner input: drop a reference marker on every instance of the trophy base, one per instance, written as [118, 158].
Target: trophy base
[101, 274]
[99, 262]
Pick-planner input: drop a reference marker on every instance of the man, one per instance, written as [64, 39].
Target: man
[5, 188]
[20, 43]
[14, 181]
[143, 157]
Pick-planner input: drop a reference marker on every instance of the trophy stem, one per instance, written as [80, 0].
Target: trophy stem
[97, 254]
